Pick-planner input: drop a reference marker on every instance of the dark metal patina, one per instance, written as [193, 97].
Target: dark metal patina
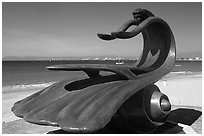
[87, 105]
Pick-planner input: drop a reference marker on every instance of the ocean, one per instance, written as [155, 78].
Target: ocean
[24, 74]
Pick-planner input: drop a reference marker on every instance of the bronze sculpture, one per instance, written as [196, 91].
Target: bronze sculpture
[87, 105]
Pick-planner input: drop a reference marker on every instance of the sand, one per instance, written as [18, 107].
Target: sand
[181, 90]
[8, 100]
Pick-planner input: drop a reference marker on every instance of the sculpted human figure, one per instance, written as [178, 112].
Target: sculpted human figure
[139, 15]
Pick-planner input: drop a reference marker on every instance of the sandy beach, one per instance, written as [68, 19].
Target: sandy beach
[182, 90]
[185, 90]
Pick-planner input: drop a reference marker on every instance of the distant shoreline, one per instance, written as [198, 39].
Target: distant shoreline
[178, 60]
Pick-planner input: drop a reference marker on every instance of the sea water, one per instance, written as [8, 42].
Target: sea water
[24, 74]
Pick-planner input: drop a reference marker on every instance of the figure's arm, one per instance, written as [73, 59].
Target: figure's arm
[126, 25]
[126, 35]
[121, 32]
[123, 28]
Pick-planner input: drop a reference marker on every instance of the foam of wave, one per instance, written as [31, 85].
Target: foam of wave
[183, 73]
[27, 86]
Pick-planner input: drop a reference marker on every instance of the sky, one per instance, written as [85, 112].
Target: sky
[69, 29]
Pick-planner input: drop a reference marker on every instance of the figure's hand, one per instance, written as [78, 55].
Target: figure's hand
[114, 34]
[106, 36]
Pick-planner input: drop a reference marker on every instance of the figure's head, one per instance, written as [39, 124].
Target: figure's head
[141, 14]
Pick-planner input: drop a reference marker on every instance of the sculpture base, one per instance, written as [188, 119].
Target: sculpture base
[168, 128]
[180, 116]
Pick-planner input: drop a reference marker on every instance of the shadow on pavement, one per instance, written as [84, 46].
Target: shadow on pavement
[184, 116]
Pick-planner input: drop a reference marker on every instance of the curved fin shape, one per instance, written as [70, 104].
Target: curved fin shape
[84, 110]
[92, 70]
[158, 37]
